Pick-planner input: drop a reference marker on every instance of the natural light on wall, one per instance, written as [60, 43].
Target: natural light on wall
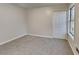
[49, 11]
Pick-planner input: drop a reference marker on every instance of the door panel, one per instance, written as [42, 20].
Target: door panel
[59, 25]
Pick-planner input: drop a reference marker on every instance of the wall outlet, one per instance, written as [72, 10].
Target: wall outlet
[77, 50]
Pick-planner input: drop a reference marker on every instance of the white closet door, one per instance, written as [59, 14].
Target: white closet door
[59, 25]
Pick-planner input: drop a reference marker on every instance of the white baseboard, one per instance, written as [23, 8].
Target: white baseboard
[44, 36]
[12, 39]
[41, 35]
[24, 35]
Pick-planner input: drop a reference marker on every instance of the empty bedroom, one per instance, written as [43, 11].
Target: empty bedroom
[39, 29]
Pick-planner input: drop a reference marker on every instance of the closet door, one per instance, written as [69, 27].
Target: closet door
[59, 24]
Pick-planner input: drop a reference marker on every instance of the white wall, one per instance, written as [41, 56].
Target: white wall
[12, 24]
[74, 42]
[40, 20]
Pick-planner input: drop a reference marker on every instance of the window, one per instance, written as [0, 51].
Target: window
[71, 24]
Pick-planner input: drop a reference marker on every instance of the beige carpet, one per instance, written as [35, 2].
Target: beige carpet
[32, 45]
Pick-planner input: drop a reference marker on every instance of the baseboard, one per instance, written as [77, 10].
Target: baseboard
[24, 35]
[41, 36]
[70, 41]
[12, 39]
[44, 36]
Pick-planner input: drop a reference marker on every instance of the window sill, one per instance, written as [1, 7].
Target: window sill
[71, 36]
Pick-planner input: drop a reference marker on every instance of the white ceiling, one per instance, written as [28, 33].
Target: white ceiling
[32, 5]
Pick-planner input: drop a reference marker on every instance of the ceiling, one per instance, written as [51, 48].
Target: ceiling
[32, 5]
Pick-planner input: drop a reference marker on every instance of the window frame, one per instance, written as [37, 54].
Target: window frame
[70, 25]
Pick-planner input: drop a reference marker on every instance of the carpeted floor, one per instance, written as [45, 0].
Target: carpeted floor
[33, 45]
